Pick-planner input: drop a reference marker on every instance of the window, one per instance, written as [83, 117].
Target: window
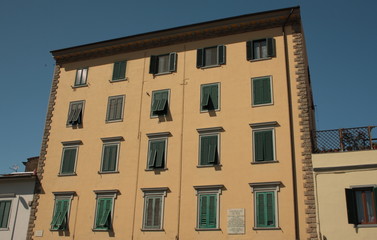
[165, 63]
[160, 103]
[75, 113]
[69, 157]
[110, 154]
[115, 108]
[265, 204]
[156, 153]
[260, 49]
[4, 213]
[211, 56]
[104, 209]
[262, 91]
[209, 150]
[362, 205]
[119, 71]
[263, 146]
[209, 97]
[208, 206]
[62, 206]
[81, 76]
[153, 208]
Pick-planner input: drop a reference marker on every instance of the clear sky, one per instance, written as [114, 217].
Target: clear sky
[341, 38]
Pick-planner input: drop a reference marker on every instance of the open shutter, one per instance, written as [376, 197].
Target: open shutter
[153, 65]
[215, 96]
[204, 150]
[221, 51]
[212, 150]
[206, 92]
[156, 101]
[160, 154]
[351, 207]
[75, 116]
[105, 220]
[69, 157]
[199, 58]
[62, 218]
[58, 210]
[270, 47]
[249, 50]
[152, 154]
[172, 62]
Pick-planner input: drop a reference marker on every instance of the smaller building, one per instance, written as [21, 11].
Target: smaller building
[345, 177]
[16, 197]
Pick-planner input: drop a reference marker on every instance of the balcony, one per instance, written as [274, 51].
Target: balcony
[344, 140]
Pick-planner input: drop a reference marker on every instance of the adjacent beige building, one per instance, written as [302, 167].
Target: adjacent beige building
[196, 132]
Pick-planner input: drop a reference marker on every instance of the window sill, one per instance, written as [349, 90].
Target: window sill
[207, 229]
[262, 105]
[114, 121]
[57, 230]
[211, 110]
[162, 73]
[265, 162]
[66, 174]
[366, 226]
[4, 229]
[152, 230]
[266, 228]
[101, 230]
[118, 80]
[79, 86]
[207, 166]
[260, 59]
[109, 172]
[210, 66]
[156, 169]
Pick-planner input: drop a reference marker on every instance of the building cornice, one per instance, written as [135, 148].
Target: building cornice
[178, 35]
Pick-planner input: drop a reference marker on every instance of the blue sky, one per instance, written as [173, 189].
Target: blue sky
[341, 38]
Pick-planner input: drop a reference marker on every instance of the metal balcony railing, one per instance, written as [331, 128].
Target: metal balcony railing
[344, 140]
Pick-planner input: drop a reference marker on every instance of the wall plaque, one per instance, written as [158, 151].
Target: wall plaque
[236, 221]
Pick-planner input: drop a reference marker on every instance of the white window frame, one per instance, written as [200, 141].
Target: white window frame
[271, 92]
[81, 84]
[218, 97]
[62, 196]
[8, 197]
[263, 127]
[210, 132]
[105, 194]
[154, 192]
[107, 142]
[62, 159]
[122, 110]
[202, 190]
[266, 187]
[82, 112]
[156, 137]
[152, 101]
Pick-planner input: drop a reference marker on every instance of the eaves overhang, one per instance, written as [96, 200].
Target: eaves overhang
[178, 35]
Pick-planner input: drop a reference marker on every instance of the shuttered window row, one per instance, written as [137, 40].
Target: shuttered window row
[4, 213]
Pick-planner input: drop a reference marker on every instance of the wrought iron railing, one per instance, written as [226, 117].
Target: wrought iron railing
[344, 140]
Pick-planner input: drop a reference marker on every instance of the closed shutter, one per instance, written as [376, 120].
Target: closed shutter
[69, 159]
[265, 209]
[115, 106]
[109, 158]
[208, 211]
[204, 150]
[263, 145]
[270, 47]
[261, 91]
[172, 62]
[119, 70]
[152, 218]
[351, 207]
[221, 54]
[199, 58]
[153, 65]
[249, 50]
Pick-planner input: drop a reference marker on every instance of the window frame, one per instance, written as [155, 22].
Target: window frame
[104, 194]
[67, 147]
[215, 190]
[266, 187]
[80, 122]
[202, 86]
[121, 110]
[122, 78]
[253, 104]
[157, 139]
[270, 49]
[62, 196]
[352, 205]
[107, 142]
[166, 112]
[217, 161]
[263, 129]
[81, 83]
[7, 198]
[201, 57]
[149, 193]
[171, 65]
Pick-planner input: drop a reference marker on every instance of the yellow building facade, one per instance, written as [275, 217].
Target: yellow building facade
[195, 132]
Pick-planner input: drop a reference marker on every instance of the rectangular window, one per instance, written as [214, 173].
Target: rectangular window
[157, 153]
[115, 108]
[75, 113]
[208, 206]
[211, 56]
[264, 145]
[69, 157]
[209, 150]
[260, 49]
[81, 76]
[362, 205]
[165, 63]
[119, 71]
[160, 103]
[210, 97]
[262, 91]
[103, 219]
[61, 213]
[4, 213]
[109, 157]
[153, 208]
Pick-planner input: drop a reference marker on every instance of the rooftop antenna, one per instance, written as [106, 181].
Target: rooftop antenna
[14, 167]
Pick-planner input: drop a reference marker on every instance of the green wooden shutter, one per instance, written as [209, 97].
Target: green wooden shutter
[215, 96]
[265, 209]
[152, 154]
[157, 212]
[264, 147]
[61, 222]
[4, 213]
[266, 95]
[119, 107]
[270, 47]
[351, 207]
[69, 159]
[261, 91]
[160, 103]
[221, 54]
[258, 146]
[203, 220]
[148, 219]
[153, 66]
[160, 145]
[270, 210]
[212, 209]
[204, 150]
[249, 50]
[199, 58]
[212, 149]
[109, 158]
[172, 62]
[260, 210]
[208, 211]
[57, 212]
[103, 217]
[206, 92]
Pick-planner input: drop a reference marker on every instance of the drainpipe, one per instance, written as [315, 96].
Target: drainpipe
[293, 150]
[15, 216]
